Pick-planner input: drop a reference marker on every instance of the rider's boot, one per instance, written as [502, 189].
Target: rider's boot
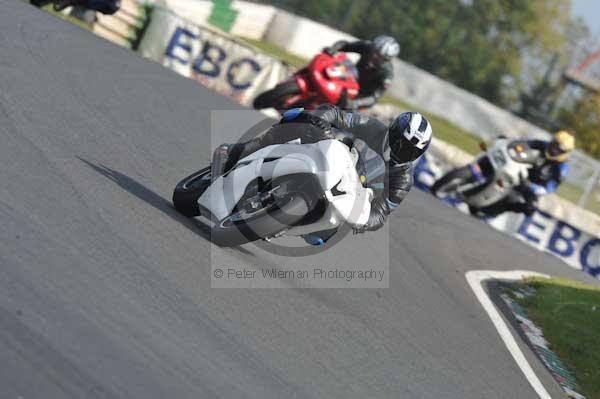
[313, 239]
[319, 237]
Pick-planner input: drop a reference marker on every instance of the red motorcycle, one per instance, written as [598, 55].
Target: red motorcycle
[327, 79]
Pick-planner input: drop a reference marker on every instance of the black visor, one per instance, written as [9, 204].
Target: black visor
[401, 151]
[554, 149]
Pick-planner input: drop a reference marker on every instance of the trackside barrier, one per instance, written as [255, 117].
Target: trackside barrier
[213, 58]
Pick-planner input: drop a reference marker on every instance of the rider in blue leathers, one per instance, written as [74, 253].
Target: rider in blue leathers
[544, 178]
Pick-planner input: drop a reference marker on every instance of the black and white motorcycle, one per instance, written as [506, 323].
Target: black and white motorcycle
[293, 189]
[492, 177]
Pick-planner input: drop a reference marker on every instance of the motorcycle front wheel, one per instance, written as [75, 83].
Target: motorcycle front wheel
[451, 181]
[244, 226]
[275, 98]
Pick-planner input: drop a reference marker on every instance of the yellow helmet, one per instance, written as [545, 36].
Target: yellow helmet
[561, 145]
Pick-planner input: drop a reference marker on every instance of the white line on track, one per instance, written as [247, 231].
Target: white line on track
[476, 279]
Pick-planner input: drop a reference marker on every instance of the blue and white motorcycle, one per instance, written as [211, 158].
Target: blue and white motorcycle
[491, 177]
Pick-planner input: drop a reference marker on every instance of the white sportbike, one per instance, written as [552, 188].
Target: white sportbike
[293, 189]
[492, 177]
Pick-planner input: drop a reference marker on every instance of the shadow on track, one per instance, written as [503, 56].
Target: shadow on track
[150, 197]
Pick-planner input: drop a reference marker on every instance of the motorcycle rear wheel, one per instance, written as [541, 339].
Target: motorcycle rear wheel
[275, 98]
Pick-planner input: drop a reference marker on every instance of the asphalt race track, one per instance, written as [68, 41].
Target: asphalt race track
[105, 289]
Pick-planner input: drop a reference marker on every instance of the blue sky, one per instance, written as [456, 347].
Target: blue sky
[589, 10]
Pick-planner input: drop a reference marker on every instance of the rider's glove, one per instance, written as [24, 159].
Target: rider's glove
[298, 115]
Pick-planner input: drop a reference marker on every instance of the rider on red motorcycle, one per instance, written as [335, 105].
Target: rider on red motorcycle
[375, 68]
[330, 79]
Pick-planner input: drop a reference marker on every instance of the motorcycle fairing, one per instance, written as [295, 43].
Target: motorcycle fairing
[328, 160]
[506, 174]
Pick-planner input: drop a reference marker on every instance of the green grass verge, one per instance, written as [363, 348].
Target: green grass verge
[569, 314]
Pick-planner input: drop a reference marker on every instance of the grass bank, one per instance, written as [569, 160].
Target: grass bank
[569, 314]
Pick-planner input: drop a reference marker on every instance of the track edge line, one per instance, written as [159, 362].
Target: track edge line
[475, 278]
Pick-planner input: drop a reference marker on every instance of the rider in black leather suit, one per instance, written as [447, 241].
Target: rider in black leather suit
[399, 144]
[375, 69]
